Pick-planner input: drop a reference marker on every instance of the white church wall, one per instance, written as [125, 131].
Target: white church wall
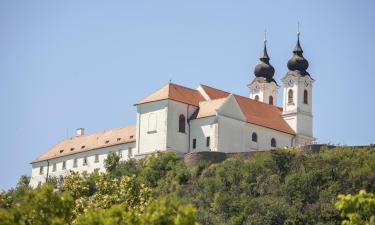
[201, 129]
[152, 127]
[235, 136]
[176, 140]
[125, 149]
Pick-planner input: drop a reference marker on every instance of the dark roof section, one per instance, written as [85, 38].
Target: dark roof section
[298, 65]
[264, 68]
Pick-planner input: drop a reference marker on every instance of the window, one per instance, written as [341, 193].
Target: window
[208, 141]
[152, 123]
[41, 170]
[71, 149]
[83, 146]
[305, 97]
[130, 152]
[107, 141]
[181, 124]
[62, 150]
[290, 96]
[118, 139]
[96, 158]
[64, 165]
[54, 167]
[194, 143]
[120, 154]
[273, 142]
[84, 161]
[254, 137]
[257, 97]
[75, 162]
[270, 100]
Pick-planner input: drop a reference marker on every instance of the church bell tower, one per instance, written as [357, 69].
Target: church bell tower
[297, 101]
[264, 88]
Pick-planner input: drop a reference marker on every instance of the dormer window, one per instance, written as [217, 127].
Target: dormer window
[71, 149]
[118, 139]
[83, 146]
[131, 136]
[61, 151]
[107, 141]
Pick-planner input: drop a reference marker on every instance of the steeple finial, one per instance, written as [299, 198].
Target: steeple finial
[265, 58]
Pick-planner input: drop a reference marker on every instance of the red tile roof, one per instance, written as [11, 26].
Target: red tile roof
[214, 93]
[90, 142]
[175, 92]
[263, 114]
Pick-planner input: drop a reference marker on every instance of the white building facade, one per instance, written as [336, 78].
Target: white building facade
[203, 119]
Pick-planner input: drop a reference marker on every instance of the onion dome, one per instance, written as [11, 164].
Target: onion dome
[264, 68]
[298, 63]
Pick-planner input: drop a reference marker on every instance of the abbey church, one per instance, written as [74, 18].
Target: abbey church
[187, 120]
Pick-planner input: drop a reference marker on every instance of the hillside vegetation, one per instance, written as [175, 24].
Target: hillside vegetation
[276, 187]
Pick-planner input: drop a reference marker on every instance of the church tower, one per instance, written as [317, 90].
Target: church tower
[297, 101]
[264, 88]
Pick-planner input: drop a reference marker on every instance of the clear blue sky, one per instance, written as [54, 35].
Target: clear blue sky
[69, 64]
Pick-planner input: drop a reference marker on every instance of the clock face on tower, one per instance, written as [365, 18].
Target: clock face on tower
[290, 83]
[306, 83]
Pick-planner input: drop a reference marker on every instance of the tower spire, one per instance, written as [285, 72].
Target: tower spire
[298, 63]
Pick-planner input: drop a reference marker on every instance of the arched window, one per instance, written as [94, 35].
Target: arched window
[305, 97]
[257, 97]
[270, 100]
[290, 96]
[273, 142]
[254, 137]
[152, 123]
[181, 124]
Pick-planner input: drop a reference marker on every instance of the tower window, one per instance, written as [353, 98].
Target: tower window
[254, 137]
[194, 143]
[270, 100]
[305, 97]
[181, 124]
[290, 96]
[256, 98]
[273, 142]
[208, 140]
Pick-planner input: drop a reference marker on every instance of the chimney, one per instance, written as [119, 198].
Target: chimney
[80, 132]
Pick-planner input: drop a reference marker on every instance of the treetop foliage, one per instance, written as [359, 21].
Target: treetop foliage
[275, 187]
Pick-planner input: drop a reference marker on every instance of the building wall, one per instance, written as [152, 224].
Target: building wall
[176, 140]
[201, 129]
[235, 136]
[91, 165]
[151, 127]
[298, 114]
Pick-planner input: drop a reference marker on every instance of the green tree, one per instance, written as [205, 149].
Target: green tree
[357, 209]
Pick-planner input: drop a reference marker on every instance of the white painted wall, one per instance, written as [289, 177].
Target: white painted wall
[201, 129]
[175, 140]
[91, 165]
[263, 91]
[151, 140]
[235, 136]
[298, 114]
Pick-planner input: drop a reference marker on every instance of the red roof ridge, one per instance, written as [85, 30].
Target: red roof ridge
[214, 88]
[241, 96]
